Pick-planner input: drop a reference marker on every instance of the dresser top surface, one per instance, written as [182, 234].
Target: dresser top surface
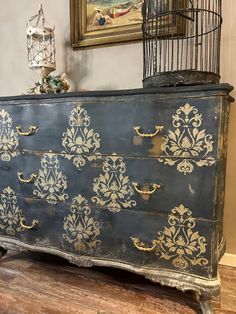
[212, 89]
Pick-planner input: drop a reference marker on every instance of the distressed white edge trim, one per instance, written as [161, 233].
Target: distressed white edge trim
[228, 260]
[171, 278]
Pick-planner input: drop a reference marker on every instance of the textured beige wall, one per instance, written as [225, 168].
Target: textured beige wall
[104, 68]
[15, 76]
[114, 67]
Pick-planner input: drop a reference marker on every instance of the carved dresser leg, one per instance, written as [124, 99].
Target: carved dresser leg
[2, 251]
[206, 305]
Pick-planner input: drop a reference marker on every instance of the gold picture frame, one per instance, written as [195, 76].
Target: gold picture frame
[83, 36]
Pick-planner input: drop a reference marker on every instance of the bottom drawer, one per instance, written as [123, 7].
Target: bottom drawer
[175, 241]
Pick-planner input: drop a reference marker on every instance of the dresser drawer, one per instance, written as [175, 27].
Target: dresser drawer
[114, 182]
[175, 241]
[138, 125]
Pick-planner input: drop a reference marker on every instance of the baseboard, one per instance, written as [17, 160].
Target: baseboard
[228, 260]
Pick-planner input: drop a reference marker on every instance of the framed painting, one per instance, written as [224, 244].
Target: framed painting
[101, 22]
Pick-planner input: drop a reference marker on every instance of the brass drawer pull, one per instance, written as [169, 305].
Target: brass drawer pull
[32, 130]
[158, 130]
[30, 180]
[142, 247]
[32, 226]
[150, 192]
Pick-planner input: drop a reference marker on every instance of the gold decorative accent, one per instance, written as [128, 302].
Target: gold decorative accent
[32, 226]
[8, 137]
[81, 229]
[113, 189]
[10, 213]
[51, 183]
[150, 192]
[30, 180]
[79, 139]
[178, 242]
[186, 145]
[148, 135]
[32, 130]
[142, 246]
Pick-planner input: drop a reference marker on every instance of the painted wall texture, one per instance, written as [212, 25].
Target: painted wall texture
[116, 67]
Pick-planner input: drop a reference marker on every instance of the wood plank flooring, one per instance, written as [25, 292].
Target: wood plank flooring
[33, 283]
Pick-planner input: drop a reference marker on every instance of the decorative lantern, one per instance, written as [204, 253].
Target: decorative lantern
[41, 44]
[41, 55]
[181, 42]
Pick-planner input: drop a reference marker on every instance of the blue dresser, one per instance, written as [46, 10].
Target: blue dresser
[131, 179]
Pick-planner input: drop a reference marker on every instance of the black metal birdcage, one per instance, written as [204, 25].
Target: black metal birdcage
[181, 41]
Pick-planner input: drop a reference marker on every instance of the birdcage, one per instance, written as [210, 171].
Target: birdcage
[41, 44]
[181, 41]
[41, 56]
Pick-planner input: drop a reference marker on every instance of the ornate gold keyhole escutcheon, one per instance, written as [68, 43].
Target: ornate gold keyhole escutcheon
[32, 130]
[148, 135]
[21, 178]
[34, 224]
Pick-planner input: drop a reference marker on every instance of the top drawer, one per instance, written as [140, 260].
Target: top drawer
[141, 125]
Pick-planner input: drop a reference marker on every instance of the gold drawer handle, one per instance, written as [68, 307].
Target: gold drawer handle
[32, 130]
[30, 180]
[32, 226]
[142, 247]
[154, 188]
[158, 130]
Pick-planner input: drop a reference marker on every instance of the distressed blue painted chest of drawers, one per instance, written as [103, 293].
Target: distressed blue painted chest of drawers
[129, 179]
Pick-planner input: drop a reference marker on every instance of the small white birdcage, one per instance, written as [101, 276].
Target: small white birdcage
[41, 56]
[41, 44]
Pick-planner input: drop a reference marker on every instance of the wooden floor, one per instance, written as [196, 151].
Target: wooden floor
[32, 283]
